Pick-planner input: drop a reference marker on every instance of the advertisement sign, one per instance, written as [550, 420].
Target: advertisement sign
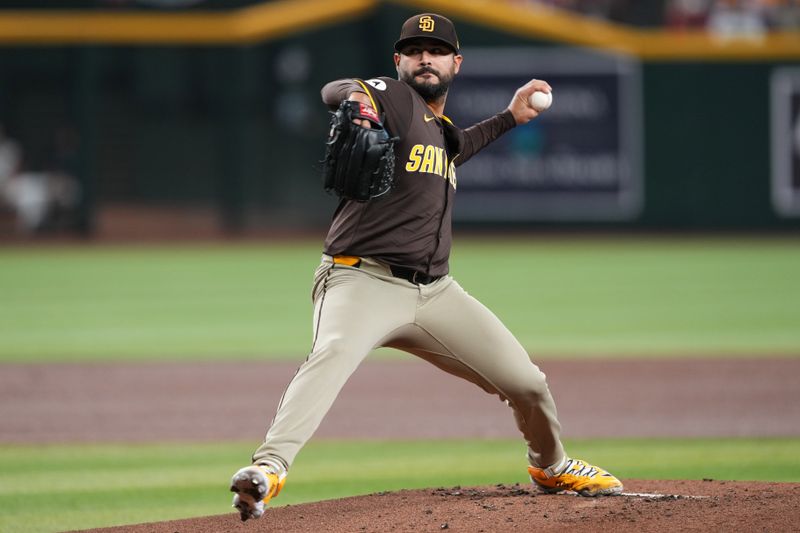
[579, 161]
[785, 141]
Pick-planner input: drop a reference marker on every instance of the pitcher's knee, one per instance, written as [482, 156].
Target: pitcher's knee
[532, 383]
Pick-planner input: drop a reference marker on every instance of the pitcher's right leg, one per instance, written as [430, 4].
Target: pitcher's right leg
[353, 311]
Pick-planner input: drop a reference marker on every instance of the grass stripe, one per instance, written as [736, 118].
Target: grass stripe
[85, 486]
[575, 297]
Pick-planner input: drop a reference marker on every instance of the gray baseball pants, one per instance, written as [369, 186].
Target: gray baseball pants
[360, 308]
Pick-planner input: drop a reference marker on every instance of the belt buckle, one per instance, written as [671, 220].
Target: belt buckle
[414, 276]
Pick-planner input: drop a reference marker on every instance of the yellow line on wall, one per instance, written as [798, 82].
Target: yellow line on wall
[697, 46]
[251, 24]
[542, 22]
[275, 19]
[269, 20]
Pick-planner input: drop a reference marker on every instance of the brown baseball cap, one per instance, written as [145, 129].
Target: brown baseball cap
[428, 26]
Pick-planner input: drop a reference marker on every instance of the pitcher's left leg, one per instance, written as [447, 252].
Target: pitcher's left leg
[474, 336]
[466, 330]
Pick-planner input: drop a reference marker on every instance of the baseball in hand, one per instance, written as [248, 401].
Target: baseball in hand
[540, 101]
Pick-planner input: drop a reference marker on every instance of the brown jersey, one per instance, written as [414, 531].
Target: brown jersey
[411, 225]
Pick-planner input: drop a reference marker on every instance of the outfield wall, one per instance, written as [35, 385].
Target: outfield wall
[239, 127]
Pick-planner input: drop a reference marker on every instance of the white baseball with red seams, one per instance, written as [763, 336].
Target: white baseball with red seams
[540, 100]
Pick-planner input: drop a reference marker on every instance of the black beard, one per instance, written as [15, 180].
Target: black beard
[430, 92]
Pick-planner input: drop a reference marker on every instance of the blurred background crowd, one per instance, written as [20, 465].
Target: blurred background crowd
[136, 137]
[751, 16]
[715, 15]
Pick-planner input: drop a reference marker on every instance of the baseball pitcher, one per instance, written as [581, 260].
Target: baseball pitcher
[392, 157]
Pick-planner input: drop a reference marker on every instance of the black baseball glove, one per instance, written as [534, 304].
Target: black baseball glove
[359, 161]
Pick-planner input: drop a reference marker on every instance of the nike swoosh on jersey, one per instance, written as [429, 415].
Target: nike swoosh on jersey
[427, 118]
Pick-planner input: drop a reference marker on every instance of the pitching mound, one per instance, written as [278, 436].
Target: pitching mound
[646, 506]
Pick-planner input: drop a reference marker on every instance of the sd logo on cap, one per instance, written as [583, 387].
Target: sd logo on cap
[426, 23]
[428, 26]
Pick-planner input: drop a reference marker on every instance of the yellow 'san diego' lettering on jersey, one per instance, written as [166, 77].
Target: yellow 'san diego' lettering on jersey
[411, 225]
[430, 159]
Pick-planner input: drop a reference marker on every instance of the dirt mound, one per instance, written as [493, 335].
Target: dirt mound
[646, 506]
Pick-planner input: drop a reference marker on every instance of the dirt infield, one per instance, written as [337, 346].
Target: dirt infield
[693, 506]
[408, 399]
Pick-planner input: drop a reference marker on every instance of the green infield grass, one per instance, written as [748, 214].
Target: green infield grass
[561, 297]
[61, 487]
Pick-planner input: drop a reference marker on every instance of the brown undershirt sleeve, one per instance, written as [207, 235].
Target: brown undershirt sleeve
[479, 135]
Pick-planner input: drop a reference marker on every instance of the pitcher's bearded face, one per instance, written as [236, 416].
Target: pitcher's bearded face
[428, 67]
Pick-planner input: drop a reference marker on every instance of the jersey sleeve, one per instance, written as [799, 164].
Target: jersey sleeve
[335, 92]
[390, 98]
[394, 102]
